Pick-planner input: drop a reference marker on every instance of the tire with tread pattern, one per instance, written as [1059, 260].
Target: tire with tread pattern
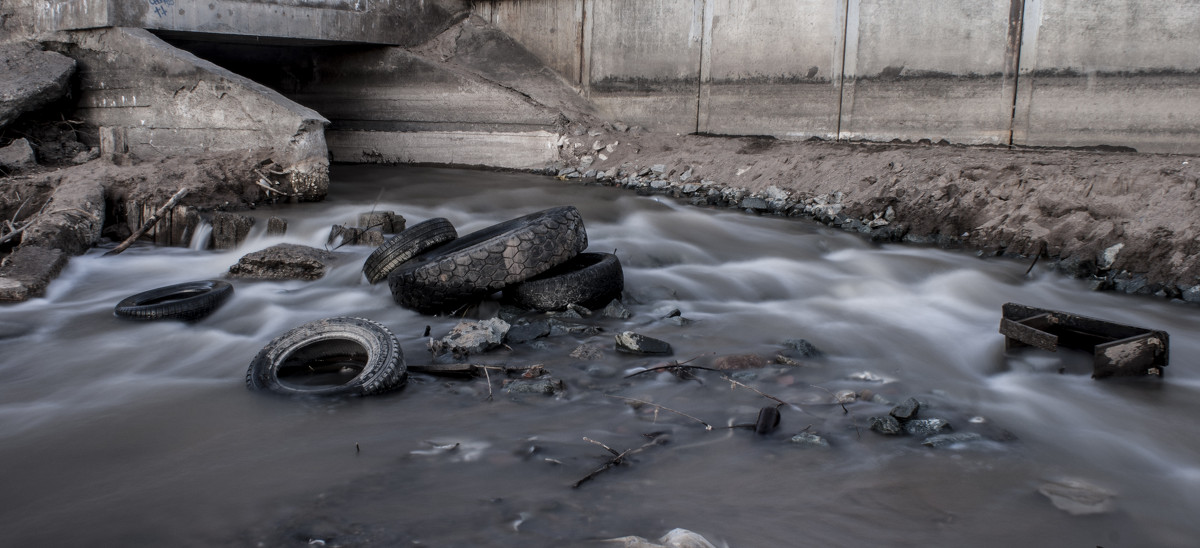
[590, 280]
[406, 245]
[188, 301]
[333, 344]
[488, 260]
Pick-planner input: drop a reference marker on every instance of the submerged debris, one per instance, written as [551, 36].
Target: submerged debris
[1118, 349]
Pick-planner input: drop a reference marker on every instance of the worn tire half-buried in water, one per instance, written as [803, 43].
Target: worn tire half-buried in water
[188, 301]
[590, 280]
[489, 259]
[406, 245]
[359, 356]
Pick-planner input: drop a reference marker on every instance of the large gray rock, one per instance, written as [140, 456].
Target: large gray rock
[284, 262]
[17, 155]
[30, 79]
[28, 271]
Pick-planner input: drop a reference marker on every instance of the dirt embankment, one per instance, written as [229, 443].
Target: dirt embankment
[1129, 221]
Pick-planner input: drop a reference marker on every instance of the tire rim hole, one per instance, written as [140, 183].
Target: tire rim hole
[323, 364]
[176, 296]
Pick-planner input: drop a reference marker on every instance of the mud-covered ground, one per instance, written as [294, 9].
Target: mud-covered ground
[1127, 220]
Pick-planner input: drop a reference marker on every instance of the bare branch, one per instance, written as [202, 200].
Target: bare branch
[706, 425]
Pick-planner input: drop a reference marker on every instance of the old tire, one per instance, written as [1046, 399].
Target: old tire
[590, 280]
[189, 301]
[330, 357]
[406, 245]
[487, 260]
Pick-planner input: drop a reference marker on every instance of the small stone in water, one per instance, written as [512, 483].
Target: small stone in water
[617, 310]
[525, 331]
[886, 425]
[633, 343]
[1078, 497]
[942, 440]
[907, 410]
[866, 376]
[800, 348]
[544, 385]
[589, 352]
[926, 426]
[811, 440]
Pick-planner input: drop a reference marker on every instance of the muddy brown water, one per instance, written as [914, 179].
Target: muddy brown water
[143, 434]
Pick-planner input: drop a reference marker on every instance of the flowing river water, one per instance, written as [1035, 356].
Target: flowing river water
[119, 433]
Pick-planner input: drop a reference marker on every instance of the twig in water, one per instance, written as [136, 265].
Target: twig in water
[706, 425]
[1041, 249]
[149, 222]
[489, 382]
[618, 458]
[835, 398]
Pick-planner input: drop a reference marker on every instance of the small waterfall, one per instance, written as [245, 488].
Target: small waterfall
[201, 236]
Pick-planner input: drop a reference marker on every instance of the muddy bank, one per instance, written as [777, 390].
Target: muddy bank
[70, 209]
[1128, 221]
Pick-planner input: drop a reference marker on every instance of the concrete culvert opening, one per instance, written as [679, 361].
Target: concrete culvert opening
[323, 364]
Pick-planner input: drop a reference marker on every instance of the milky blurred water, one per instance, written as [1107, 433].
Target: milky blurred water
[127, 433]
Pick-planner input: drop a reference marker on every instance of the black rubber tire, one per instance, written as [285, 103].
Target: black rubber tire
[487, 260]
[406, 245]
[332, 342]
[590, 280]
[189, 301]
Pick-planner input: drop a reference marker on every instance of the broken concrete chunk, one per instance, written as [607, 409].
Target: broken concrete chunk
[28, 271]
[230, 230]
[347, 235]
[30, 79]
[471, 337]
[386, 222]
[633, 343]
[17, 155]
[284, 262]
[276, 226]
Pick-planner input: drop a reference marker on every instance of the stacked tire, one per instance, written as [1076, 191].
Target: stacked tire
[537, 260]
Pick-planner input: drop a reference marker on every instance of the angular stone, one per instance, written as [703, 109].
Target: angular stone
[471, 337]
[617, 310]
[230, 230]
[633, 343]
[28, 271]
[17, 155]
[888, 425]
[284, 262]
[907, 410]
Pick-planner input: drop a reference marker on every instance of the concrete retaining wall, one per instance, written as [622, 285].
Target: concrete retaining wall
[1025, 72]
[154, 100]
[398, 22]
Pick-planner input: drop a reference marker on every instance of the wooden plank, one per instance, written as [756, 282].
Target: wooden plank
[1018, 333]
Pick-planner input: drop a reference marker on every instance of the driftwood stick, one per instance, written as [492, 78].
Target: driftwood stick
[663, 407]
[617, 459]
[149, 222]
